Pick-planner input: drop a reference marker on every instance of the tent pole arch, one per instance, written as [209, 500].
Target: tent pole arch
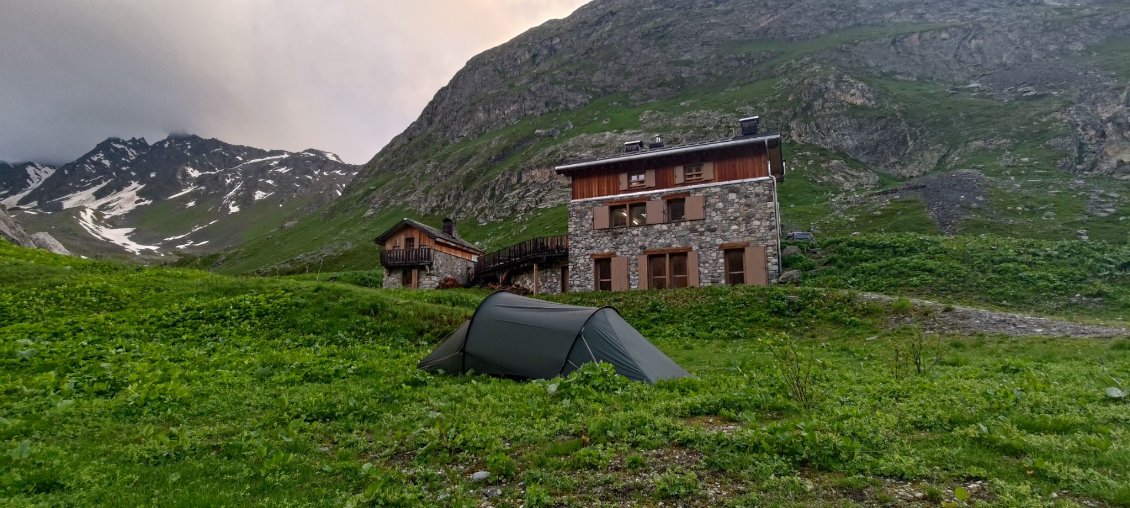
[471, 323]
[580, 333]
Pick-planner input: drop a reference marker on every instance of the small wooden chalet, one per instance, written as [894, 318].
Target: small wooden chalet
[415, 255]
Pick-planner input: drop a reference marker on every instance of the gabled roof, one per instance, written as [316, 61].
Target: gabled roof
[669, 150]
[433, 233]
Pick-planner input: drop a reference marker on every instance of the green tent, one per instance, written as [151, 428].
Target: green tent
[514, 336]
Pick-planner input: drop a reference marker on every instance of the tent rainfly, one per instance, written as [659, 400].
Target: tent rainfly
[514, 336]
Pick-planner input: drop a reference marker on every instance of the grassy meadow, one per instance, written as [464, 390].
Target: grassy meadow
[130, 386]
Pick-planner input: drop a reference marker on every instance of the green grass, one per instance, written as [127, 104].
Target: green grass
[1068, 278]
[155, 386]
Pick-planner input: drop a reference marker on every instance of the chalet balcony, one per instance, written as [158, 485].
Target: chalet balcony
[536, 250]
[406, 257]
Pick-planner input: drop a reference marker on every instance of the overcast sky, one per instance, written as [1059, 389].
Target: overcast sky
[338, 75]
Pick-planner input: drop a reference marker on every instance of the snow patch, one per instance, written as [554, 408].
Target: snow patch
[252, 161]
[261, 195]
[190, 204]
[195, 229]
[118, 203]
[117, 236]
[233, 208]
[282, 170]
[183, 192]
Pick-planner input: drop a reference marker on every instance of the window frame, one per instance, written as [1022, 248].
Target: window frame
[628, 208]
[637, 179]
[597, 281]
[682, 200]
[695, 172]
[668, 279]
[728, 270]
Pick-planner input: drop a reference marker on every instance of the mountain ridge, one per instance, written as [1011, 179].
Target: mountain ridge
[130, 196]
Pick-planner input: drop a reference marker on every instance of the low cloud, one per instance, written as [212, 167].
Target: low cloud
[339, 75]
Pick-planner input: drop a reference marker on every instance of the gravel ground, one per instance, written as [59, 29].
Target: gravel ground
[969, 320]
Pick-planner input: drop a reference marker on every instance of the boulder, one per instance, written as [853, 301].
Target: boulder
[789, 277]
[48, 243]
[791, 250]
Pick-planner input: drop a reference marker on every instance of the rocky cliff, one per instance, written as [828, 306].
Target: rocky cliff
[880, 102]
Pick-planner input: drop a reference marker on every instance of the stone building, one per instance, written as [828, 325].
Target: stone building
[692, 215]
[415, 255]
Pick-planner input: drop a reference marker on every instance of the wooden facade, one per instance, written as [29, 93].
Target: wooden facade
[421, 240]
[728, 164]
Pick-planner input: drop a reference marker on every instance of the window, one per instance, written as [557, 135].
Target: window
[693, 172]
[676, 209]
[632, 214]
[602, 270]
[667, 270]
[409, 243]
[637, 179]
[735, 266]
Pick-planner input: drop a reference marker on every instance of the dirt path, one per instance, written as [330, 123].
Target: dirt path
[961, 320]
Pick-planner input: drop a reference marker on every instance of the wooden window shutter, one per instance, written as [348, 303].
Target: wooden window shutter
[756, 266]
[679, 174]
[655, 211]
[620, 274]
[692, 269]
[708, 171]
[600, 217]
[695, 208]
[643, 272]
[649, 178]
[623, 181]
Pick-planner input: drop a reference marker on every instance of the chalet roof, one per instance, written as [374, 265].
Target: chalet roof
[668, 150]
[433, 233]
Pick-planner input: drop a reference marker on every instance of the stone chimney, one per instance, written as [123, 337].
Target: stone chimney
[449, 228]
[749, 125]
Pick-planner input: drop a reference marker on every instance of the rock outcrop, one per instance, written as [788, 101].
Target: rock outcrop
[11, 231]
[901, 86]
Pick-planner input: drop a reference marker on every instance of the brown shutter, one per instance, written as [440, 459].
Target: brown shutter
[649, 178]
[655, 210]
[679, 174]
[708, 171]
[620, 274]
[756, 266]
[623, 181]
[643, 273]
[415, 279]
[692, 269]
[695, 208]
[600, 217]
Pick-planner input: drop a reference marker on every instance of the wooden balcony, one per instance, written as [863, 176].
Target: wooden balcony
[536, 250]
[406, 257]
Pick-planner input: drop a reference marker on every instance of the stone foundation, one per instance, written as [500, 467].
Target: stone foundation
[428, 277]
[741, 211]
[549, 278]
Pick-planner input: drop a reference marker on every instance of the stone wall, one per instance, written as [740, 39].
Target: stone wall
[549, 278]
[443, 265]
[742, 211]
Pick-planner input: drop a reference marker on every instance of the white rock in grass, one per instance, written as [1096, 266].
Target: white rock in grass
[479, 476]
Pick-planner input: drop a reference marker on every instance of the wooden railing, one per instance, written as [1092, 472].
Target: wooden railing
[406, 257]
[530, 250]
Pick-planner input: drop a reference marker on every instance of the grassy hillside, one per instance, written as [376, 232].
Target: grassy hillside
[128, 386]
[1066, 278]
